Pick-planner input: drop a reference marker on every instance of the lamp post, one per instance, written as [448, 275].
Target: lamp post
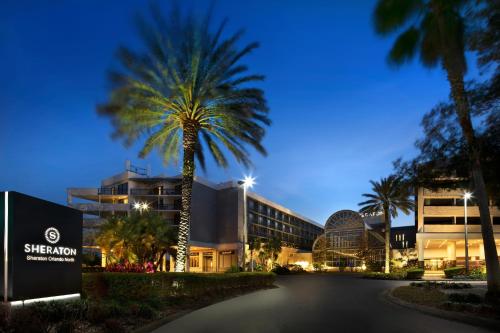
[467, 196]
[246, 183]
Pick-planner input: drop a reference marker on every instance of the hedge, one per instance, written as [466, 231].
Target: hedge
[453, 271]
[411, 274]
[140, 286]
[414, 274]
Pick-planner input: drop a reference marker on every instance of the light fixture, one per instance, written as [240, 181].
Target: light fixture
[467, 195]
[145, 206]
[137, 205]
[248, 181]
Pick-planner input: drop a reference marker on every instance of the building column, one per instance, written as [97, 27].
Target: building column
[420, 248]
[103, 258]
[481, 251]
[451, 250]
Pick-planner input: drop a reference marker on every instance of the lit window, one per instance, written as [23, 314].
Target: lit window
[194, 260]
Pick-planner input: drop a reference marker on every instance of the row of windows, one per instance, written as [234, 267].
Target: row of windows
[473, 220]
[294, 240]
[280, 226]
[400, 237]
[449, 202]
[276, 214]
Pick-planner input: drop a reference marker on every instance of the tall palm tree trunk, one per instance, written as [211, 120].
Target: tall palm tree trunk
[189, 141]
[463, 111]
[387, 218]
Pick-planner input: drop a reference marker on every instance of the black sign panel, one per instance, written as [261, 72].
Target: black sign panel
[44, 247]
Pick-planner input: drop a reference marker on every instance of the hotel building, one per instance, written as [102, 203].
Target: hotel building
[218, 233]
[439, 221]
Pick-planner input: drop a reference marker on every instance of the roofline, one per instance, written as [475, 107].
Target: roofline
[280, 207]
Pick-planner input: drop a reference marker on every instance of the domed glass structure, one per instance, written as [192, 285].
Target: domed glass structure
[348, 242]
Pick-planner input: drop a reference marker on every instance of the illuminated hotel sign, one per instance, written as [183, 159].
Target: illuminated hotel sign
[41, 249]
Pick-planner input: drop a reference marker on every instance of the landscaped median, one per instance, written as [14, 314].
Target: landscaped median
[123, 302]
[401, 274]
[458, 301]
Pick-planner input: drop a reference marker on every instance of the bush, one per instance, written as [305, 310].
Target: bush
[442, 285]
[465, 298]
[454, 271]
[233, 269]
[113, 326]
[414, 274]
[296, 269]
[143, 286]
[93, 269]
[280, 270]
[385, 276]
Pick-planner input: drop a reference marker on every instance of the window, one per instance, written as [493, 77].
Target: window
[438, 220]
[470, 220]
[439, 202]
[194, 259]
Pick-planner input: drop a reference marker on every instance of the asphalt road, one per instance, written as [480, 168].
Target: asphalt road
[315, 303]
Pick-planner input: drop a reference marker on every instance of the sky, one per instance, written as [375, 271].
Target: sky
[340, 115]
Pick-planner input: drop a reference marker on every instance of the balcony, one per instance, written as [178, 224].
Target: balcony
[154, 191]
[166, 207]
[103, 207]
[456, 228]
[111, 191]
[456, 211]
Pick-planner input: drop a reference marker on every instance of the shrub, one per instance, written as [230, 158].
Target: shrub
[142, 286]
[280, 270]
[465, 298]
[296, 269]
[146, 311]
[317, 267]
[385, 276]
[93, 269]
[233, 269]
[442, 285]
[414, 274]
[113, 326]
[454, 271]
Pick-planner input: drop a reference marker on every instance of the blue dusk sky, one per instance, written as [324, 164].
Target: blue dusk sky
[340, 114]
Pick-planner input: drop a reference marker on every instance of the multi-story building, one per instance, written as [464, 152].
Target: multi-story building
[439, 221]
[217, 236]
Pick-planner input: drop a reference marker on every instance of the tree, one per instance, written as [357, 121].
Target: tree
[185, 92]
[272, 249]
[435, 29]
[442, 151]
[254, 245]
[140, 238]
[389, 195]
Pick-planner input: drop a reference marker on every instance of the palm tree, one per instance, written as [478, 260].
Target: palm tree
[389, 195]
[434, 29]
[187, 89]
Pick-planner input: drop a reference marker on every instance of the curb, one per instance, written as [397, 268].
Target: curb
[490, 324]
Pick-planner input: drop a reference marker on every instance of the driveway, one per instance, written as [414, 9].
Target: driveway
[315, 303]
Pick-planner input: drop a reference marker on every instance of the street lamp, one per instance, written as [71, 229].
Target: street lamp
[246, 183]
[467, 196]
[141, 206]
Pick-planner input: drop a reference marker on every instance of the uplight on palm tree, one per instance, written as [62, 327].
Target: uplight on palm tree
[388, 196]
[187, 92]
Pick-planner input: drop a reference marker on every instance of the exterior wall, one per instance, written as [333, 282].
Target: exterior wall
[443, 241]
[203, 215]
[227, 214]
